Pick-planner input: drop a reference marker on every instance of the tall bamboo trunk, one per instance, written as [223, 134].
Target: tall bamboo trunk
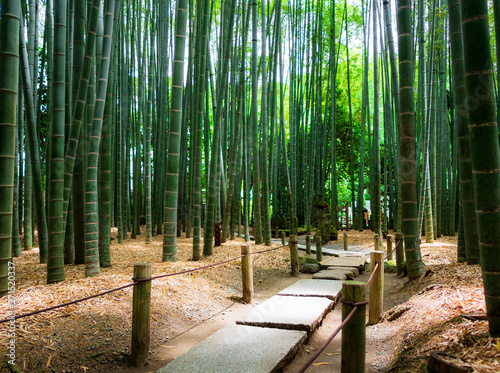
[92, 257]
[257, 224]
[10, 13]
[485, 152]
[172, 170]
[468, 202]
[376, 197]
[407, 142]
[34, 152]
[55, 260]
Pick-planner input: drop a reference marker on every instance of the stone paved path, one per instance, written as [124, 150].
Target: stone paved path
[268, 337]
[331, 248]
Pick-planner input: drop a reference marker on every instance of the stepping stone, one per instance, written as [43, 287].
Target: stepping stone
[325, 250]
[333, 274]
[293, 313]
[353, 270]
[240, 349]
[339, 250]
[355, 261]
[314, 288]
[348, 254]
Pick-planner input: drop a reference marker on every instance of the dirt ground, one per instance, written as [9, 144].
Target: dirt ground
[431, 313]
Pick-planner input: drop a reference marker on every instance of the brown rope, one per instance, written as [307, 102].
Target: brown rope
[327, 342]
[66, 304]
[135, 281]
[114, 290]
[353, 304]
[373, 273]
[267, 250]
[188, 270]
[394, 248]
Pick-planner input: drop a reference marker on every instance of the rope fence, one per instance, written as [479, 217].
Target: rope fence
[141, 310]
[136, 281]
[334, 334]
[273, 249]
[353, 300]
[187, 270]
[17, 317]
[393, 249]
[398, 249]
[370, 279]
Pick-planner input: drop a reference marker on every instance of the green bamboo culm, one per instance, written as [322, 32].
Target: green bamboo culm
[16, 241]
[485, 153]
[461, 121]
[266, 219]
[172, 172]
[137, 117]
[257, 227]
[215, 157]
[333, 130]
[10, 13]
[55, 259]
[75, 160]
[496, 13]
[27, 206]
[407, 142]
[202, 46]
[92, 261]
[376, 205]
[395, 94]
[351, 129]
[34, 151]
[230, 208]
[147, 150]
[359, 221]
[105, 160]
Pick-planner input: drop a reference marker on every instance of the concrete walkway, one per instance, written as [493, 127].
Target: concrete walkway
[268, 337]
[240, 348]
[331, 248]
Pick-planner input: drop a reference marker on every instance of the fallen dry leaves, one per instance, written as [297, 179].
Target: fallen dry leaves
[437, 316]
[94, 335]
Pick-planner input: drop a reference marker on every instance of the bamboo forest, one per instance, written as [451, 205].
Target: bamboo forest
[212, 119]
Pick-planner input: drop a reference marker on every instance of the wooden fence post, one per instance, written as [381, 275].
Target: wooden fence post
[353, 333]
[247, 273]
[375, 242]
[141, 315]
[283, 238]
[319, 250]
[347, 224]
[389, 247]
[376, 297]
[308, 245]
[294, 255]
[400, 256]
[346, 247]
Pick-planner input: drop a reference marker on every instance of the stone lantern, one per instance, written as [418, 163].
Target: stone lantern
[321, 207]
